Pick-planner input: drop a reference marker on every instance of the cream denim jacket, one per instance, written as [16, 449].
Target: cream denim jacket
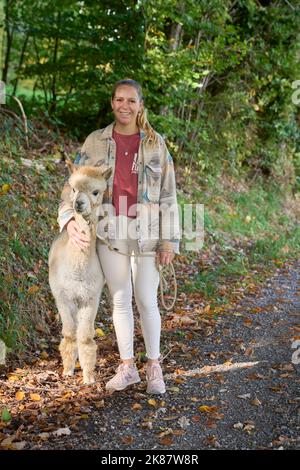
[157, 222]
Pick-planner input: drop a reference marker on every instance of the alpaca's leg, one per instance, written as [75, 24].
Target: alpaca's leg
[68, 346]
[87, 347]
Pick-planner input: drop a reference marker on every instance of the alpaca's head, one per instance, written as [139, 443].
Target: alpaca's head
[88, 185]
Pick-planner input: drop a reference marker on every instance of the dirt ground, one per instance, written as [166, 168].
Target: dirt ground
[231, 386]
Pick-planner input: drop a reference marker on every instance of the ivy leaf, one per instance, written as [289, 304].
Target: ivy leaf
[5, 416]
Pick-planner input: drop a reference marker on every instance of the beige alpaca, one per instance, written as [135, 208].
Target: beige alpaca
[75, 276]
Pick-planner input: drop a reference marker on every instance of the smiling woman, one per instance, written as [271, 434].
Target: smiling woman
[126, 105]
[143, 176]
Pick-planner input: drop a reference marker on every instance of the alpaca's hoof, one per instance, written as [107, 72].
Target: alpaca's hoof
[68, 372]
[88, 379]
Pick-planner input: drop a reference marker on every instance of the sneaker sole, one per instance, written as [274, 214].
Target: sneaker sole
[113, 389]
[153, 392]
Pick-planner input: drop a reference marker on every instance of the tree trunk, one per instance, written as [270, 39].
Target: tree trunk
[55, 53]
[40, 76]
[20, 62]
[176, 36]
[174, 42]
[9, 39]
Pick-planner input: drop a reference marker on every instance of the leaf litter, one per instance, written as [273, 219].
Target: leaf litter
[38, 405]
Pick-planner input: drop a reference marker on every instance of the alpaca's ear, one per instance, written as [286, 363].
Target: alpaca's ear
[107, 173]
[70, 166]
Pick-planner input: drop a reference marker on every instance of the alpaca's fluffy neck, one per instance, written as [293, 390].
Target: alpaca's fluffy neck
[82, 257]
[88, 228]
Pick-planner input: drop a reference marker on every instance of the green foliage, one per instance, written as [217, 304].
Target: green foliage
[27, 227]
[216, 75]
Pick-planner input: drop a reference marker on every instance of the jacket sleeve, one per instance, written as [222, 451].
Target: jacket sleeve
[65, 208]
[169, 211]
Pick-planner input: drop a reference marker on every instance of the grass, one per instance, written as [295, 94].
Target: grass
[27, 224]
[250, 230]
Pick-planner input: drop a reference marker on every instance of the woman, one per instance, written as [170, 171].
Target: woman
[143, 223]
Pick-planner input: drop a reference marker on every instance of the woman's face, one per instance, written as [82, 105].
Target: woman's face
[126, 105]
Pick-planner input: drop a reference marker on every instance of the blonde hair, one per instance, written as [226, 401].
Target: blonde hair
[142, 119]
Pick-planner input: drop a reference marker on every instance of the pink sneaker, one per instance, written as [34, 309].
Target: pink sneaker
[155, 379]
[126, 375]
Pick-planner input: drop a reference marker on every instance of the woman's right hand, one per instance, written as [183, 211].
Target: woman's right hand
[77, 237]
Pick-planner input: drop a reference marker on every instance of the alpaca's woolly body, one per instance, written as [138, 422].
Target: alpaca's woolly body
[76, 280]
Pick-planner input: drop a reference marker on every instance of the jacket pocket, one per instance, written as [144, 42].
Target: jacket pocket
[153, 181]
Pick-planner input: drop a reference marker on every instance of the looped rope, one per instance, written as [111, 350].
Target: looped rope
[163, 284]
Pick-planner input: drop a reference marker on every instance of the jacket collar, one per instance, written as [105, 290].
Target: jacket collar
[108, 131]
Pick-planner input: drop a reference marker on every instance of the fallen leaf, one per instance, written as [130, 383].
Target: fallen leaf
[207, 409]
[196, 418]
[238, 426]
[166, 441]
[227, 363]
[7, 442]
[249, 427]
[62, 432]
[206, 309]
[33, 289]
[20, 396]
[127, 440]
[13, 378]
[100, 332]
[211, 424]
[170, 418]
[152, 402]
[18, 445]
[245, 396]
[166, 432]
[178, 432]
[35, 397]
[179, 371]
[184, 422]
[147, 424]
[126, 421]
[212, 440]
[179, 380]
[44, 355]
[44, 435]
[256, 402]
[5, 188]
[136, 406]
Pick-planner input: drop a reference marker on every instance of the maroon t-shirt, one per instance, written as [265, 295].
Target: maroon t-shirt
[126, 173]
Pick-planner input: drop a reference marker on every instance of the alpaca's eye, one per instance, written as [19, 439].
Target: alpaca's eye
[73, 190]
[95, 193]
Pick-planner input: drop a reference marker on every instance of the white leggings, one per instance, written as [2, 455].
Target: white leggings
[117, 270]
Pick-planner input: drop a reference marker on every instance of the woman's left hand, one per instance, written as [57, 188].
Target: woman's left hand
[164, 257]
